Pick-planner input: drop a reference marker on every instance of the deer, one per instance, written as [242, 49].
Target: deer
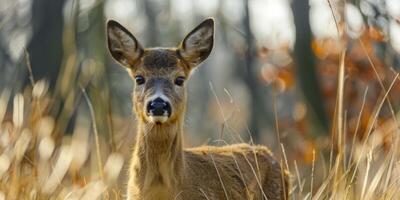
[160, 167]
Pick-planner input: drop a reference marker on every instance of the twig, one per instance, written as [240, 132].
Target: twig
[29, 66]
[334, 18]
[340, 96]
[96, 134]
[312, 173]
[219, 177]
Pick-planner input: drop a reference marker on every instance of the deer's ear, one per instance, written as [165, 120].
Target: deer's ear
[122, 45]
[197, 45]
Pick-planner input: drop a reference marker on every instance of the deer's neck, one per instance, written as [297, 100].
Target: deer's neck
[157, 161]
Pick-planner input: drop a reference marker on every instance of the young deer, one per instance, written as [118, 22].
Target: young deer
[160, 168]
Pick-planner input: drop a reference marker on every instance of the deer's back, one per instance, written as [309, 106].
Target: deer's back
[233, 172]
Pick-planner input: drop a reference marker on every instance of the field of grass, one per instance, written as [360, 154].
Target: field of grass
[52, 145]
[39, 161]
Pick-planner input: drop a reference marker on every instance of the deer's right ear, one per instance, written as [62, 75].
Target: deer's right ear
[122, 44]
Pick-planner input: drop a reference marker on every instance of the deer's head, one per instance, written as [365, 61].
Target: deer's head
[160, 73]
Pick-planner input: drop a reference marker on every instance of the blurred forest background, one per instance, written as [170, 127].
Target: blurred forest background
[271, 79]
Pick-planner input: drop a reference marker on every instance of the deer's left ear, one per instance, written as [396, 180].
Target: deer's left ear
[197, 45]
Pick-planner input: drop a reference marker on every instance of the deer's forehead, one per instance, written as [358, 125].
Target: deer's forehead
[160, 62]
[159, 59]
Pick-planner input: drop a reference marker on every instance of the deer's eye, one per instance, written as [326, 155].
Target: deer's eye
[139, 79]
[179, 81]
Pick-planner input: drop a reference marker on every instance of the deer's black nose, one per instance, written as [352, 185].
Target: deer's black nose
[159, 107]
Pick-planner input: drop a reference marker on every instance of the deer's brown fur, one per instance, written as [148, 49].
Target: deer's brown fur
[160, 168]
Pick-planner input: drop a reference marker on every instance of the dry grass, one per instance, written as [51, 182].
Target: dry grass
[38, 161]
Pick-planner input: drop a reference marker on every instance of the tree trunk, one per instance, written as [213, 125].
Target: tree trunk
[305, 61]
[45, 48]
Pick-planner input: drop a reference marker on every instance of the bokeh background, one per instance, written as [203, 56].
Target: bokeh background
[271, 79]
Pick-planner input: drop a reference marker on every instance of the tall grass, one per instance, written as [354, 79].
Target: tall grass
[36, 163]
[39, 160]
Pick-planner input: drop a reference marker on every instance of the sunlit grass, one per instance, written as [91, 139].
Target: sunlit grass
[39, 159]
[39, 162]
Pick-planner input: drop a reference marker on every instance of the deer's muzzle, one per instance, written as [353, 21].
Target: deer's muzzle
[158, 108]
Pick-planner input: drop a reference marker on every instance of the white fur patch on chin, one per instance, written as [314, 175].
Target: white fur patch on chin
[158, 119]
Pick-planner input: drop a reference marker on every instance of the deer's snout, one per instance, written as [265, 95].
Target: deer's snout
[159, 108]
